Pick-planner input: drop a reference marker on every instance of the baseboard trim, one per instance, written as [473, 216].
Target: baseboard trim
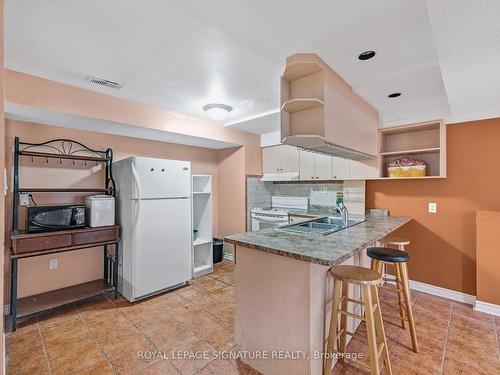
[442, 292]
[228, 256]
[487, 307]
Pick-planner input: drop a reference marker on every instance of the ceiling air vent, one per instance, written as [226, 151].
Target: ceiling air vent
[105, 82]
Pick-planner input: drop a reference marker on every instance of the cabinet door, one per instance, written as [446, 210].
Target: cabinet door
[306, 165]
[271, 159]
[360, 170]
[289, 158]
[340, 168]
[323, 167]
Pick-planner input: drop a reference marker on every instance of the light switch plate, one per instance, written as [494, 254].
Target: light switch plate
[24, 199]
[53, 264]
[433, 208]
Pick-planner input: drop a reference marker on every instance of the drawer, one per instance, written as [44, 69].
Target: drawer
[25, 245]
[95, 236]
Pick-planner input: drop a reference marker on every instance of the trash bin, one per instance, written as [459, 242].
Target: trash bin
[218, 247]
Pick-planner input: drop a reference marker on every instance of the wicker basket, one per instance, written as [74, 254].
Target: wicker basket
[419, 170]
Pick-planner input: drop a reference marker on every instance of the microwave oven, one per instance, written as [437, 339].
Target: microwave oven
[51, 218]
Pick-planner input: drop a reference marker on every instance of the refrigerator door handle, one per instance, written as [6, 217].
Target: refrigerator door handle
[136, 181]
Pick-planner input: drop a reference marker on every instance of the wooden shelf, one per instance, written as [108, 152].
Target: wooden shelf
[301, 69]
[297, 105]
[50, 300]
[63, 190]
[406, 178]
[413, 152]
[425, 141]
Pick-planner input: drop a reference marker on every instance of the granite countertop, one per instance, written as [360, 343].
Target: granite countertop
[328, 250]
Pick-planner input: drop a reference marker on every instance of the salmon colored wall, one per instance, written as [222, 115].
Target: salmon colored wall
[81, 266]
[39, 92]
[231, 190]
[443, 248]
[2, 166]
[488, 256]
[34, 91]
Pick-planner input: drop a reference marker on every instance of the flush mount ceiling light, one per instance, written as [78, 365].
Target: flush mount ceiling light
[367, 55]
[217, 111]
[394, 95]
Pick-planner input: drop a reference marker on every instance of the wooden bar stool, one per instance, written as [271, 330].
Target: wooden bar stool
[399, 259]
[400, 242]
[368, 279]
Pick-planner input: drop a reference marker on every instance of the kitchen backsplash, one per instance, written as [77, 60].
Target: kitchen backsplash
[258, 195]
[320, 195]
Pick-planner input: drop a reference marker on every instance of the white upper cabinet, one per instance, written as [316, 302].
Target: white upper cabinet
[315, 166]
[323, 165]
[282, 158]
[340, 168]
[307, 171]
[271, 159]
[289, 158]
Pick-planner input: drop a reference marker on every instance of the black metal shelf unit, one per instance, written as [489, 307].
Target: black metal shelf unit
[62, 149]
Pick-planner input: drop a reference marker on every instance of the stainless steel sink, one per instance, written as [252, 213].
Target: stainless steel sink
[321, 227]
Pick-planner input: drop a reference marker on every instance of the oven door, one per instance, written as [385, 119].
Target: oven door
[260, 222]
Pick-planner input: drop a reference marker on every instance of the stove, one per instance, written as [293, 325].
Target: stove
[277, 214]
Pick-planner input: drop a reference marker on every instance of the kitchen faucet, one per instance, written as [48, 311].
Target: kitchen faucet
[342, 209]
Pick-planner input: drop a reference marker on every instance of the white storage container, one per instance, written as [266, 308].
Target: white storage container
[100, 210]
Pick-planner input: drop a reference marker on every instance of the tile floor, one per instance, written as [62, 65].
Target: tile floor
[104, 336]
[453, 338]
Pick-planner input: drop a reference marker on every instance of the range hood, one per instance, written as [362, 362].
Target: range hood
[320, 112]
[321, 145]
[280, 176]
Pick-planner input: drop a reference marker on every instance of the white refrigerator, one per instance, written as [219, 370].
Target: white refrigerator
[154, 212]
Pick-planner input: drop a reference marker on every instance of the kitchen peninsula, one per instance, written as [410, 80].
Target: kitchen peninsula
[282, 289]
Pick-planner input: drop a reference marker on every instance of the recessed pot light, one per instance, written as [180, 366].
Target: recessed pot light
[217, 111]
[394, 95]
[367, 55]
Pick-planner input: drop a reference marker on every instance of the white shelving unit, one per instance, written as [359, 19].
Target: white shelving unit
[202, 221]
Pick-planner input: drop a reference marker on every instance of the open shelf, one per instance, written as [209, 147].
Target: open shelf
[411, 152]
[301, 69]
[67, 157]
[202, 222]
[297, 105]
[201, 269]
[424, 141]
[201, 241]
[50, 300]
[406, 178]
[63, 190]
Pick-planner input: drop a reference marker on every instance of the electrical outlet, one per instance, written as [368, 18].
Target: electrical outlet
[24, 199]
[433, 208]
[53, 264]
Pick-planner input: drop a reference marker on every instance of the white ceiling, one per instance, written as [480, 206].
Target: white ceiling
[467, 36]
[182, 54]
